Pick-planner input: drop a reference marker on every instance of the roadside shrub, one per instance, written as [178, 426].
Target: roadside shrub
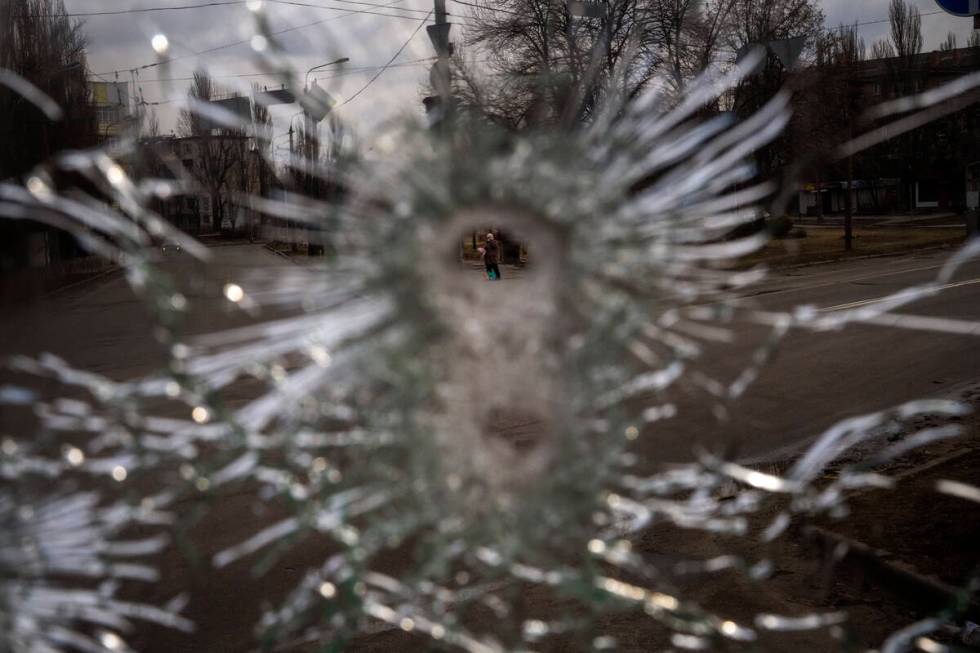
[780, 227]
[747, 229]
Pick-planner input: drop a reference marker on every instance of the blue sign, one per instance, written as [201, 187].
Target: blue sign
[960, 7]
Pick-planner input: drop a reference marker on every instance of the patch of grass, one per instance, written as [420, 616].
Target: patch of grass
[827, 244]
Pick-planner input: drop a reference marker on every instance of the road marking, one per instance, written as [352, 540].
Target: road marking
[926, 323]
[824, 284]
[874, 300]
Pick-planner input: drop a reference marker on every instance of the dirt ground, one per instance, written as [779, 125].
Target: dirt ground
[911, 546]
[827, 243]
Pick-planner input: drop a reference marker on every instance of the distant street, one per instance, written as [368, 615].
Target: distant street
[103, 327]
[814, 380]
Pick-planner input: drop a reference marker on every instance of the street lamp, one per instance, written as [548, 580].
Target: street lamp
[317, 103]
[306, 79]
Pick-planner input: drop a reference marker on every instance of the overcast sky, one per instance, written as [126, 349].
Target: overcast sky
[935, 23]
[119, 43]
[122, 42]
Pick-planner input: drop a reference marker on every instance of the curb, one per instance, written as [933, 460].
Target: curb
[865, 257]
[270, 248]
[789, 453]
[225, 243]
[82, 282]
[892, 571]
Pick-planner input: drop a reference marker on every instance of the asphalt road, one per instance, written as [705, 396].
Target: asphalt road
[103, 327]
[814, 380]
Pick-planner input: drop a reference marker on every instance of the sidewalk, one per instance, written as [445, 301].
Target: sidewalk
[940, 219]
[910, 552]
[30, 284]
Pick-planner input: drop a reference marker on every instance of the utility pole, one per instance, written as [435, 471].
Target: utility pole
[439, 75]
[848, 209]
[318, 103]
[312, 181]
[850, 110]
[289, 222]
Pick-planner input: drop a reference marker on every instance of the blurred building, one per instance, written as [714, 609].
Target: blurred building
[113, 108]
[926, 169]
[214, 174]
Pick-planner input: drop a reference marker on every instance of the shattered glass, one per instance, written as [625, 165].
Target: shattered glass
[464, 463]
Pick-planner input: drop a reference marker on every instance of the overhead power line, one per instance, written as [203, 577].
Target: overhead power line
[227, 3]
[387, 65]
[859, 24]
[515, 13]
[346, 72]
[497, 9]
[145, 10]
[349, 12]
[352, 2]
[885, 20]
[225, 46]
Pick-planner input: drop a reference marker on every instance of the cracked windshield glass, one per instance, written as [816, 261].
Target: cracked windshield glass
[490, 326]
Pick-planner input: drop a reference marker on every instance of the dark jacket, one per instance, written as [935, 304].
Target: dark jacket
[492, 255]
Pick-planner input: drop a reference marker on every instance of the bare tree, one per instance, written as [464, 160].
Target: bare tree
[690, 33]
[846, 52]
[149, 124]
[262, 135]
[882, 49]
[242, 178]
[42, 44]
[262, 154]
[761, 22]
[842, 47]
[502, 98]
[218, 148]
[949, 43]
[261, 124]
[549, 65]
[906, 28]
[906, 35]
[833, 103]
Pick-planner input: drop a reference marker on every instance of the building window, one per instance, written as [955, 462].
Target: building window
[108, 114]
